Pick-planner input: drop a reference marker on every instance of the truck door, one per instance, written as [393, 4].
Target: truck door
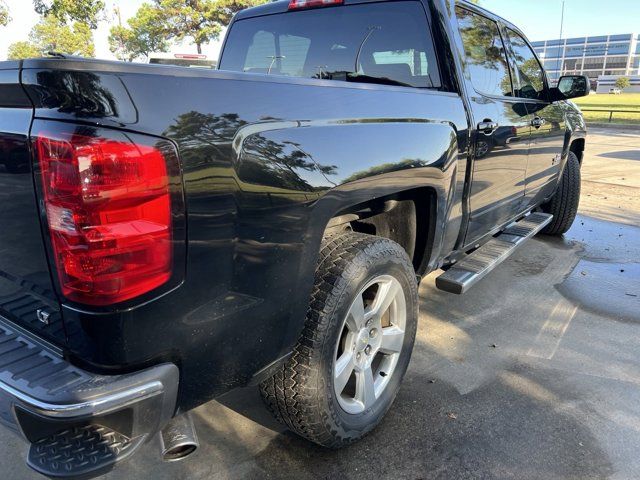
[547, 119]
[502, 126]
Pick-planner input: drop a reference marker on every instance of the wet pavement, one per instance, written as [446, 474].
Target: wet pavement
[533, 374]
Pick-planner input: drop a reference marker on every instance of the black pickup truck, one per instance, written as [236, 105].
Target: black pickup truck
[170, 234]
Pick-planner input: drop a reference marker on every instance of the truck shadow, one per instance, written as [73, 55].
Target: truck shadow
[508, 428]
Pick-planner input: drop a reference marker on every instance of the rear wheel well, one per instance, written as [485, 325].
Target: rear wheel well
[407, 218]
[577, 147]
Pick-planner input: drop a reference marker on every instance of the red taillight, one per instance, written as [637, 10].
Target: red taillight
[300, 4]
[108, 208]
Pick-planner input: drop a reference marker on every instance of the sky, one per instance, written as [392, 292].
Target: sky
[539, 19]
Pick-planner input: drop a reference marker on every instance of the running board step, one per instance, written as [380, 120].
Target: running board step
[475, 266]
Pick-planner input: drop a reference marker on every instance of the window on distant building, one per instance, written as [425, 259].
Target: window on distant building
[596, 63]
[592, 73]
[618, 49]
[552, 64]
[615, 38]
[574, 64]
[617, 62]
[595, 50]
[574, 51]
[553, 52]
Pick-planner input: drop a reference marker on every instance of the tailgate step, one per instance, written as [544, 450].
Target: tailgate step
[79, 451]
[475, 266]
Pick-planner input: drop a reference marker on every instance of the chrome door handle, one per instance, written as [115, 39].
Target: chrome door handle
[488, 126]
[537, 122]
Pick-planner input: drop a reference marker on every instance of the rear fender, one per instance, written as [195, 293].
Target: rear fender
[307, 172]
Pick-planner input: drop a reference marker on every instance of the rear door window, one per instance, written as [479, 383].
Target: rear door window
[386, 43]
[486, 60]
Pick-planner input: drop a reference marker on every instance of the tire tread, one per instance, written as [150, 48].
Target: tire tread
[565, 201]
[292, 393]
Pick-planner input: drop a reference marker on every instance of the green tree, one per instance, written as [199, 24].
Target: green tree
[51, 34]
[622, 83]
[20, 50]
[194, 19]
[142, 35]
[157, 23]
[83, 11]
[4, 14]
[226, 9]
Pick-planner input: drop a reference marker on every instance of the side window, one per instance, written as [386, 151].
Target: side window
[485, 53]
[530, 73]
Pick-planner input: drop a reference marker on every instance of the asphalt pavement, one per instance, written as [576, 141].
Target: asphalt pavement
[533, 374]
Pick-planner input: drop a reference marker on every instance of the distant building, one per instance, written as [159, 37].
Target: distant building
[616, 55]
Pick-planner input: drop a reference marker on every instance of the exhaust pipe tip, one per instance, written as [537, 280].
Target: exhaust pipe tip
[178, 439]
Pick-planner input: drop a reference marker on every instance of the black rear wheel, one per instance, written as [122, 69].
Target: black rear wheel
[355, 348]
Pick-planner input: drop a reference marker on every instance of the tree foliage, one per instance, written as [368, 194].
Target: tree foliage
[52, 34]
[228, 8]
[83, 11]
[622, 83]
[142, 35]
[4, 14]
[20, 50]
[205, 140]
[194, 19]
[162, 21]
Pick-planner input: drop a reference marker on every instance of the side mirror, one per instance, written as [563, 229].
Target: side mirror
[571, 86]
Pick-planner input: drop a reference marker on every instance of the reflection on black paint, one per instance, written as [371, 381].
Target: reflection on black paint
[277, 164]
[385, 168]
[81, 93]
[204, 139]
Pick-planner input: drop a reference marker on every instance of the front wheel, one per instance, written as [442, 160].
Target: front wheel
[356, 344]
[564, 203]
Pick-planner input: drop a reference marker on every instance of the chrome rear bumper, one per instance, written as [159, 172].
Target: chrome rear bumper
[49, 402]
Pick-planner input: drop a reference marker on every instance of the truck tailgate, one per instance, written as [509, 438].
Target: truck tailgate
[27, 296]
